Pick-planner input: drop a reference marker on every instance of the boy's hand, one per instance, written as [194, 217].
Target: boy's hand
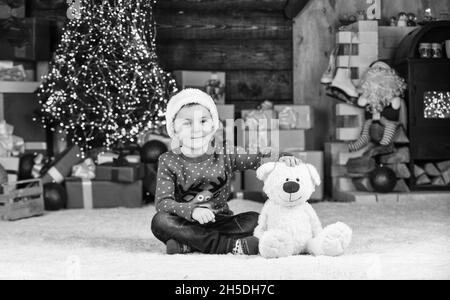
[203, 215]
[290, 161]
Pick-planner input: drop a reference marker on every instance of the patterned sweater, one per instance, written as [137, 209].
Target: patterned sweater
[181, 178]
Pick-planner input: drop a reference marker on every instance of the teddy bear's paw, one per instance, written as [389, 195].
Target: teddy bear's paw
[336, 239]
[274, 244]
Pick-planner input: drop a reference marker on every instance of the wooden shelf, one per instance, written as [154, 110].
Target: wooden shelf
[18, 86]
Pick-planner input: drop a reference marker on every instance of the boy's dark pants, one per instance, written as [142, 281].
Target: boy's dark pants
[213, 238]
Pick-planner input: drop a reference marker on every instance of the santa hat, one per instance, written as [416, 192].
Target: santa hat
[189, 96]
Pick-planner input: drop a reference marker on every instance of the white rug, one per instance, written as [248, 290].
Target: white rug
[390, 241]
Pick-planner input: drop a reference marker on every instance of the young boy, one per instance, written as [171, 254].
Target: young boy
[193, 183]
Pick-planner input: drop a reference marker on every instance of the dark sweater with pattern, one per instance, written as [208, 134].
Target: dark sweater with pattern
[181, 178]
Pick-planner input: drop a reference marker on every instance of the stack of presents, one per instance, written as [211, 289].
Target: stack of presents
[284, 127]
[73, 180]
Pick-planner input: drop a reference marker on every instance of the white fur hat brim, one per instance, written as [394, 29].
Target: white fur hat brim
[189, 96]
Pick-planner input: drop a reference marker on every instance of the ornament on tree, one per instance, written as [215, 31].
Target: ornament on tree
[105, 85]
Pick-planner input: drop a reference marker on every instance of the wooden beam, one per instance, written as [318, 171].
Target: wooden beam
[222, 5]
[222, 25]
[226, 55]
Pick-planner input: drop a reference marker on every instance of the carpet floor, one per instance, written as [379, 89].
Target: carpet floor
[401, 240]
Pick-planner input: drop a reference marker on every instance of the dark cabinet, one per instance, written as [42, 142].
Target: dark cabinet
[428, 97]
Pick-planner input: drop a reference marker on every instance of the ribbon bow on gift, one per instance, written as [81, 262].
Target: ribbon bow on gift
[120, 161]
[261, 117]
[288, 118]
[9, 144]
[215, 88]
[84, 170]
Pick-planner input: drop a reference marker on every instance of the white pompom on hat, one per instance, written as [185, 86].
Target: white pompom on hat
[189, 96]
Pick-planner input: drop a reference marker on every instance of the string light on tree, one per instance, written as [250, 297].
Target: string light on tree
[105, 85]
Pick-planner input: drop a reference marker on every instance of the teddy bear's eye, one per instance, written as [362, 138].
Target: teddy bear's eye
[287, 179]
[298, 179]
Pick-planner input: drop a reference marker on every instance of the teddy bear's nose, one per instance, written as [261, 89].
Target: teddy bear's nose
[291, 187]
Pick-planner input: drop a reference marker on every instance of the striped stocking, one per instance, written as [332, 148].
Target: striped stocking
[363, 139]
[390, 128]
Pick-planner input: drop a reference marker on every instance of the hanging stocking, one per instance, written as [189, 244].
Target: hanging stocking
[363, 140]
[390, 128]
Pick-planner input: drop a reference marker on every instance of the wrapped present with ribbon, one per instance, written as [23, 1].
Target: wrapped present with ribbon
[62, 165]
[288, 118]
[9, 143]
[295, 116]
[13, 73]
[109, 157]
[89, 194]
[84, 170]
[11, 165]
[120, 170]
[261, 118]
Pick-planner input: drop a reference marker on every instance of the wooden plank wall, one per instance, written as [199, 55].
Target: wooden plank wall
[250, 40]
[314, 37]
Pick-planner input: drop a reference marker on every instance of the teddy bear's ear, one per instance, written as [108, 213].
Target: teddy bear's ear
[264, 171]
[314, 174]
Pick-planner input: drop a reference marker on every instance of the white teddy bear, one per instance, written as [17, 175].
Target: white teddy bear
[288, 225]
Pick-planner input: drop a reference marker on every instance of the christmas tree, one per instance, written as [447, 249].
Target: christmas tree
[104, 86]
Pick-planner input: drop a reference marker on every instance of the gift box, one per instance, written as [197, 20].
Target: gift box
[236, 182]
[225, 112]
[9, 143]
[212, 83]
[17, 71]
[15, 9]
[27, 39]
[120, 173]
[11, 165]
[259, 119]
[36, 148]
[89, 194]
[281, 140]
[62, 165]
[297, 116]
[108, 157]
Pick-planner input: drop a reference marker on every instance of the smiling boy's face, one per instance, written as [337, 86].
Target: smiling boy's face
[193, 126]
